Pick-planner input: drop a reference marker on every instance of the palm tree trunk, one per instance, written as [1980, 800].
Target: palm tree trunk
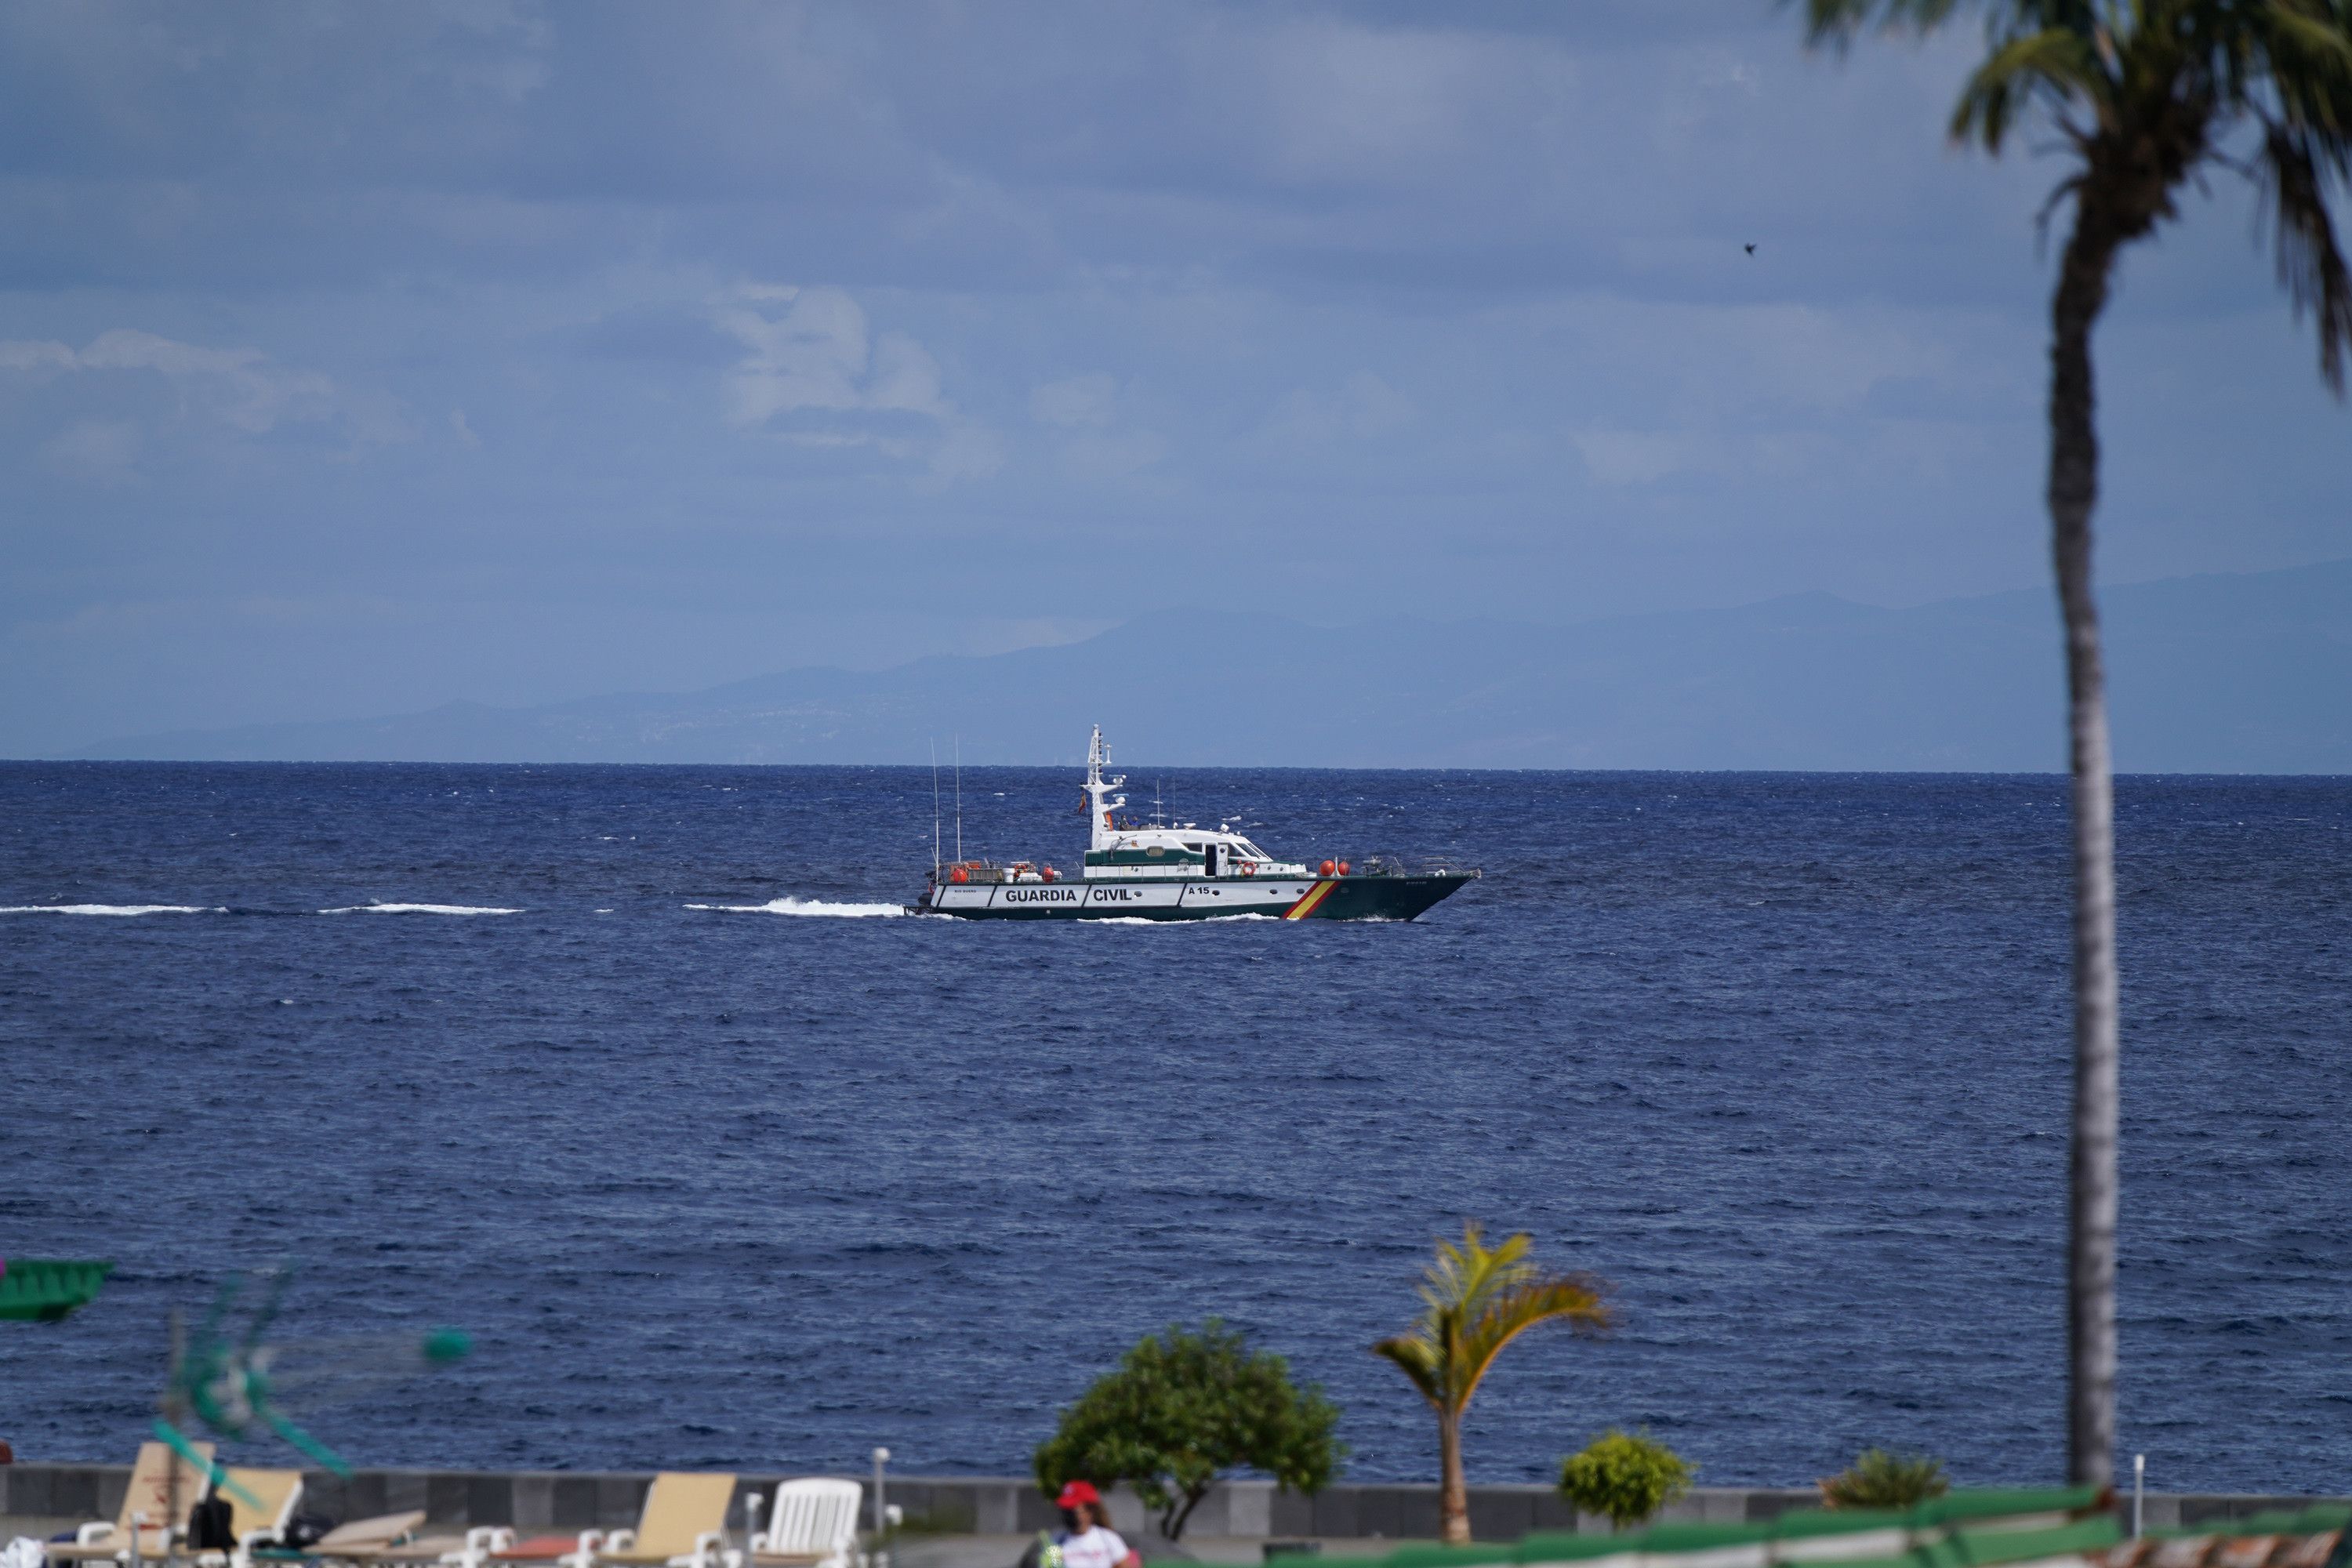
[2073, 492]
[1454, 1488]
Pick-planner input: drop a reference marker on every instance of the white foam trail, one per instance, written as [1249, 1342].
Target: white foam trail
[1148, 921]
[419, 910]
[807, 907]
[110, 909]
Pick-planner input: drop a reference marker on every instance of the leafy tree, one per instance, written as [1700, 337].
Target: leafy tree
[1624, 1477]
[1183, 1409]
[1476, 1301]
[1878, 1478]
[2145, 96]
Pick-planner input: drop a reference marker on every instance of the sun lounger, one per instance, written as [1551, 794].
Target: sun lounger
[256, 1517]
[158, 1480]
[813, 1524]
[381, 1538]
[362, 1536]
[410, 1549]
[682, 1525]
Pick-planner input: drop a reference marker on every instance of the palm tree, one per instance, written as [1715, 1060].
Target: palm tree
[1478, 1300]
[2145, 94]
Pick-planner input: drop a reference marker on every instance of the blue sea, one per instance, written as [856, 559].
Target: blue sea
[637, 1074]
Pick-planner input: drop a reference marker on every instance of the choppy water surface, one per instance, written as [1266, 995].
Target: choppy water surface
[605, 1065]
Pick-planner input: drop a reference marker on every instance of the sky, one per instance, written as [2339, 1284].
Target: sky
[356, 359]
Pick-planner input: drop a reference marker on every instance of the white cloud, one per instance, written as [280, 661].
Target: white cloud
[1113, 454]
[1363, 405]
[1079, 401]
[243, 387]
[1633, 457]
[809, 353]
[96, 448]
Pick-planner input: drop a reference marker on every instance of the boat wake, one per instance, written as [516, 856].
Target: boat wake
[807, 907]
[419, 910]
[1237, 916]
[110, 909]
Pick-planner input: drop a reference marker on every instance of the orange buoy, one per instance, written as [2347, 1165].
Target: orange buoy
[1050, 873]
[1326, 867]
[1343, 868]
[959, 875]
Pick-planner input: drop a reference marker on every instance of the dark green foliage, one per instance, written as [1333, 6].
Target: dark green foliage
[1878, 1479]
[1624, 1477]
[1184, 1408]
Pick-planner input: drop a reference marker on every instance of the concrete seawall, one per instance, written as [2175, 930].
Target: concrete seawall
[48, 1496]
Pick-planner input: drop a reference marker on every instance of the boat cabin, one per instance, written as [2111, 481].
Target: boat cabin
[1135, 850]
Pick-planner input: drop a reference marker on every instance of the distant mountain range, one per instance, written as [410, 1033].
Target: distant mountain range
[2210, 674]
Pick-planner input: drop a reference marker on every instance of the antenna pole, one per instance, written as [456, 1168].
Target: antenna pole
[935, 809]
[959, 770]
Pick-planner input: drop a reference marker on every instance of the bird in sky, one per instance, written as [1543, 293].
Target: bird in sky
[1751, 248]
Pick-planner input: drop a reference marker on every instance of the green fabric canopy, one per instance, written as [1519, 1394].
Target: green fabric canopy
[44, 1289]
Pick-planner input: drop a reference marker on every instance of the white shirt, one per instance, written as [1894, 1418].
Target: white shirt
[1098, 1548]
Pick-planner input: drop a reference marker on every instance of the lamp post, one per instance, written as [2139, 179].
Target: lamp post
[2139, 1490]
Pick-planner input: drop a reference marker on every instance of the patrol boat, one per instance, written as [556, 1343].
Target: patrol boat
[1178, 871]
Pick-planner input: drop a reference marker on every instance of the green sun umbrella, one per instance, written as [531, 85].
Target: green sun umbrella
[44, 1289]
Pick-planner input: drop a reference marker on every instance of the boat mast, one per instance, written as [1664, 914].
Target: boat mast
[935, 808]
[1100, 801]
[959, 776]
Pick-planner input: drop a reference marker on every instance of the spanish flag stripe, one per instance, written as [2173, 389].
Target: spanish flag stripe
[1307, 905]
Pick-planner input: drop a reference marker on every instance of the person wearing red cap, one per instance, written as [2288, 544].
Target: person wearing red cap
[1086, 1538]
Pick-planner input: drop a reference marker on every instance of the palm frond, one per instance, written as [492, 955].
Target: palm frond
[2311, 265]
[1574, 1298]
[1466, 1276]
[1477, 1299]
[2060, 62]
[1418, 1358]
[2306, 47]
[1835, 22]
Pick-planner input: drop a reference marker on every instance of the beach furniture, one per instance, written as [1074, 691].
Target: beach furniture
[682, 1525]
[163, 1488]
[407, 1548]
[368, 1535]
[813, 1524]
[258, 1521]
[366, 1541]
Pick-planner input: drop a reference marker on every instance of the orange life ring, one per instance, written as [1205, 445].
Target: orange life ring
[1249, 867]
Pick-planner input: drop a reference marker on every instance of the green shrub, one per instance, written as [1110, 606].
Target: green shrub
[1878, 1479]
[1624, 1477]
[1183, 1409]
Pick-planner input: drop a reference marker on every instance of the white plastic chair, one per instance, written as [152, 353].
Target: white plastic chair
[813, 1524]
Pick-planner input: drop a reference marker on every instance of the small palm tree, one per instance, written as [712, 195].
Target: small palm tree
[2145, 95]
[1478, 1300]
